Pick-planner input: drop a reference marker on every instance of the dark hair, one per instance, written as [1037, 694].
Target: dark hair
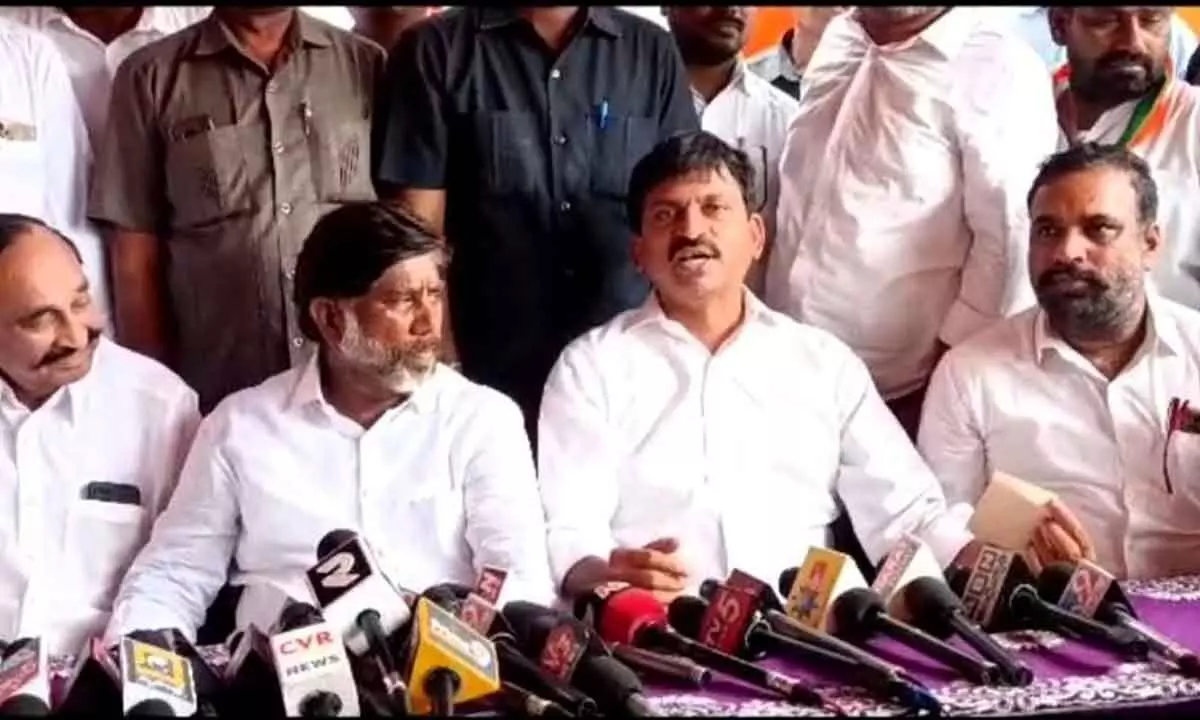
[683, 154]
[350, 248]
[14, 225]
[1089, 155]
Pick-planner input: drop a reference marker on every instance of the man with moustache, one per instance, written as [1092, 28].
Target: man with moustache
[1119, 91]
[901, 220]
[668, 435]
[225, 143]
[785, 65]
[92, 437]
[735, 105]
[1088, 394]
[384, 23]
[371, 434]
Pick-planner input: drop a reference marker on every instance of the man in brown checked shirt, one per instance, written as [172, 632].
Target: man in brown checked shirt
[225, 143]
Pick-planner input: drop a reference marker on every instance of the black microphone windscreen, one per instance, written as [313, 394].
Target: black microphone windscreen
[446, 594]
[686, 615]
[297, 615]
[786, 579]
[333, 540]
[1054, 580]
[151, 708]
[607, 677]
[24, 706]
[932, 603]
[528, 621]
[708, 588]
[855, 608]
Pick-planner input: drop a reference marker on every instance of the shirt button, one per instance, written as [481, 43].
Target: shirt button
[285, 208]
[560, 139]
[289, 273]
[297, 342]
[555, 74]
[565, 206]
[277, 148]
[272, 87]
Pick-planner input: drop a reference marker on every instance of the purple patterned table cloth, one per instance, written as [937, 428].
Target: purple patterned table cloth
[1069, 675]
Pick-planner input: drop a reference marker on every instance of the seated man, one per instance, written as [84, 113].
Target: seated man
[703, 431]
[1087, 393]
[371, 434]
[93, 437]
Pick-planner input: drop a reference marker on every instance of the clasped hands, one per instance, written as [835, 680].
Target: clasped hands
[655, 567]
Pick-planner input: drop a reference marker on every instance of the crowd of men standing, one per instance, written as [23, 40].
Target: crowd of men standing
[268, 206]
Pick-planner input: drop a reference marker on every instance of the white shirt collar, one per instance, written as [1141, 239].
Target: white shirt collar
[652, 313]
[1161, 332]
[308, 391]
[737, 82]
[946, 35]
[69, 399]
[152, 19]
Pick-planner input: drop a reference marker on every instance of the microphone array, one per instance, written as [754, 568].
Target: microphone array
[367, 647]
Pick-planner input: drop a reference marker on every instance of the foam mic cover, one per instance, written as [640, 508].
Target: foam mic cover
[94, 685]
[152, 707]
[24, 706]
[985, 589]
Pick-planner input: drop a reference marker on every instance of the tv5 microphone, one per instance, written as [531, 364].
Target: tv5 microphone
[155, 680]
[937, 610]
[354, 595]
[95, 682]
[312, 666]
[25, 679]
[811, 589]
[449, 663]
[860, 613]
[1090, 590]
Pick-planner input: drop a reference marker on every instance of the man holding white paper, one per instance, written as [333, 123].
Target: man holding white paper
[1086, 395]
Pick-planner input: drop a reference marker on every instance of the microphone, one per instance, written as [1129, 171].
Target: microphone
[632, 616]
[567, 650]
[24, 679]
[152, 673]
[312, 666]
[250, 680]
[449, 663]
[938, 611]
[515, 668]
[909, 559]
[152, 707]
[860, 613]
[94, 684]
[1025, 603]
[524, 703]
[812, 588]
[984, 590]
[1089, 590]
[671, 668]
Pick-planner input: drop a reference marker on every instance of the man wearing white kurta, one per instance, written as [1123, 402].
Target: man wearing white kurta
[372, 434]
[901, 223]
[704, 432]
[1091, 394]
[92, 437]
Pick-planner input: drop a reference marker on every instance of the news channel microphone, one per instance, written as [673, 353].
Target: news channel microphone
[1091, 591]
[95, 681]
[568, 651]
[151, 673]
[515, 668]
[860, 614]
[811, 589]
[938, 611]
[25, 679]
[354, 595]
[449, 663]
[908, 560]
[311, 664]
[251, 684]
[663, 667]
[633, 616]
[519, 701]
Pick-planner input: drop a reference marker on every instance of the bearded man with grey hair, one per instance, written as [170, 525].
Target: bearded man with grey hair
[372, 434]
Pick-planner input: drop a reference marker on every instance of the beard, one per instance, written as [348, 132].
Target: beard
[1117, 77]
[400, 369]
[1081, 305]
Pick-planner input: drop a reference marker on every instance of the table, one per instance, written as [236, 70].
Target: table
[1070, 677]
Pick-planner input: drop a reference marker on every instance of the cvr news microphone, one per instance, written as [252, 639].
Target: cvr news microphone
[860, 613]
[25, 679]
[312, 667]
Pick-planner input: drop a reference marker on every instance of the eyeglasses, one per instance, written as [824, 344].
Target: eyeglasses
[1179, 417]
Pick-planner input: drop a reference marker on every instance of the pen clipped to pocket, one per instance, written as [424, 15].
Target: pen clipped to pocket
[602, 114]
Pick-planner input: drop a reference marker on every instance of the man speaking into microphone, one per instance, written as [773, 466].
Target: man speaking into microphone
[704, 431]
[371, 434]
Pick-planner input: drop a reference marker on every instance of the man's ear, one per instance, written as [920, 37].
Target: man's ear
[758, 235]
[639, 253]
[1058, 17]
[1151, 242]
[327, 317]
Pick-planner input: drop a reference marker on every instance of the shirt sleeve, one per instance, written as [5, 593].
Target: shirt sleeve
[1007, 127]
[886, 487]
[129, 159]
[60, 127]
[178, 574]
[950, 438]
[409, 127]
[505, 524]
[678, 110]
[577, 465]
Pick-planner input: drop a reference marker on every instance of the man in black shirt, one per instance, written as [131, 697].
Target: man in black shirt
[514, 130]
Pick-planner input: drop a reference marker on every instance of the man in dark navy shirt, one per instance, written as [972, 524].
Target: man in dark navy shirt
[514, 130]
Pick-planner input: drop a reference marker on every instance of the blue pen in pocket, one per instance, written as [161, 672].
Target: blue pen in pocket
[602, 115]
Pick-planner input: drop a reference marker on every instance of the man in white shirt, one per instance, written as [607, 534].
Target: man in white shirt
[784, 64]
[1076, 394]
[43, 142]
[92, 437]
[371, 434]
[737, 106]
[901, 215]
[1120, 90]
[703, 431]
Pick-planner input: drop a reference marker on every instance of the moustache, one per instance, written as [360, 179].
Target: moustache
[58, 354]
[684, 244]
[1056, 275]
[1113, 61]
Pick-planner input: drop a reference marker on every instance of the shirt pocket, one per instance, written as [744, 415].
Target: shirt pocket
[510, 152]
[340, 148]
[207, 176]
[102, 539]
[1183, 463]
[21, 163]
[616, 149]
[435, 519]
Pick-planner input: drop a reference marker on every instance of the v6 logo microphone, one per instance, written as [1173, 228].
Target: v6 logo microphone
[726, 618]
[564, 647]
[490, 583]
[337, 572]
[1086, 590]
